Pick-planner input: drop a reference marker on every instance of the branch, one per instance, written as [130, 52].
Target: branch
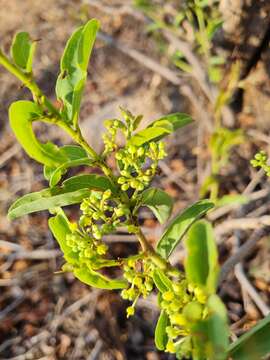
[242, 224]
[241, 253]
[249, 288]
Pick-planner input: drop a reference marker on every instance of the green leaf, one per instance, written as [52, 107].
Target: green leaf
[211, 336]
[201, 264]
[22, 51]
[46, 199]
[60, 227]
[72, 191]
[160, 128]
[21, 116]
[28, 198]
[254, 344]
[95, 279]
[58, 172]
[71, 81]
[180, 225]
[161, 337]
[162, 282]
[71, 153]
[158, 201]
[88, 181]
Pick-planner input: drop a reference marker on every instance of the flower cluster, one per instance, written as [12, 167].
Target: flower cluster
[132, 161]
[138, 272]
[101, 214]
[184, 304]
[137, 164]
[127, 128]
[260, 160]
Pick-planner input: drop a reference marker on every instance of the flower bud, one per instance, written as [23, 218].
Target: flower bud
[125, 187]
[168, 295]
[130, 311]
[107, 194]
[193, 311]
[178, 319]
[140, 151]
[102, 249]
[170, 347]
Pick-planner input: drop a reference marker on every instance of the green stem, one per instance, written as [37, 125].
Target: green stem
[39, 96]
[154, 256]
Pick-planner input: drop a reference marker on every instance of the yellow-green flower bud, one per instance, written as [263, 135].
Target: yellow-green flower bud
[175, 305]
[121, 180]
[153, 146]
[177, 288]
[119, 156]
[137, 281]
[132, 229]
[107, 194]
[170, 347]
[125, 187]
[130, 311]
[97, 234]
[119, 212]
[132, 149]
[73, 226]
[168, 296]
[178, 319]
[102, 249]
[193, 311]
[172, 332]
[124, 294]
[134, 184]
[200, 295]
[140, 151]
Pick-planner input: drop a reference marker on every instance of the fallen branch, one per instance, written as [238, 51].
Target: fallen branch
[241, 253]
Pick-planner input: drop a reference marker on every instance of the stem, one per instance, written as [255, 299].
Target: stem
[39, 96]
[154, 256]
[77, 137]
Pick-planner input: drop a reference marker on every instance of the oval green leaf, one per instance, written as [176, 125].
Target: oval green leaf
[211, 335]
[161, 337]
[60, 227]
[21, 116]
[254, 344]
[71, 81]
[22, 51]
[71, 153]
[88, 181]
[46, 199]
[72, 191]
[97, 280]
[162, 282]
[58, 172]
[158, 201]
[160, 128]
[201, 264]
[180, 225]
